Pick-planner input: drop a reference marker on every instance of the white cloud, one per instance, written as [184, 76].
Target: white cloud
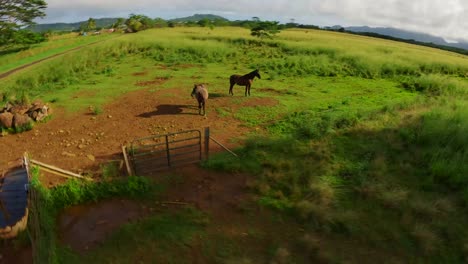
[446, 18]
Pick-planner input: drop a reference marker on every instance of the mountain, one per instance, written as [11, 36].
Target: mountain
[408, 35]
[100, 23]
[107, 22]
[198, 17]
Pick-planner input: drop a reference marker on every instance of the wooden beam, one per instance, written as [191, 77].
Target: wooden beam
[207, 143]
[224, 147]
[58, 171]
[127, 164]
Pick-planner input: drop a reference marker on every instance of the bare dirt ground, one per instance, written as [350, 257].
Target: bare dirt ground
[81, 142]
[220, 195]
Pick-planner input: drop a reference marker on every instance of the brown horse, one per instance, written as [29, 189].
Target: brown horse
[201, 93]
[243, 80]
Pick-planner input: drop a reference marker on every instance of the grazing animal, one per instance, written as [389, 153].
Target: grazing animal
[201, 93]
[243, 80]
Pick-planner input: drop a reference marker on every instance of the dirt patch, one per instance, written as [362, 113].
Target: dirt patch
[221, 195]
[80, 142]
[140, 73]
[156, 81]
[186, 66]
[69, 140]
[9, 253]
[83, 227]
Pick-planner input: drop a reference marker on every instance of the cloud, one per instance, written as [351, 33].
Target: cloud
[446, 18]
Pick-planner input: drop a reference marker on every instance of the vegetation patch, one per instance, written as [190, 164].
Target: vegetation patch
[49, 202]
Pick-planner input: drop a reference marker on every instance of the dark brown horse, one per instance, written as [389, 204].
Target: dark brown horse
[243, 80]
[201, 93]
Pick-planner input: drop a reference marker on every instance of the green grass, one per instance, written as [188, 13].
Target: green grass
[362, 144]
[44, 50]
[49, 203]
[167, 236]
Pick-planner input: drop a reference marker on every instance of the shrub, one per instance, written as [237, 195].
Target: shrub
[430, 84]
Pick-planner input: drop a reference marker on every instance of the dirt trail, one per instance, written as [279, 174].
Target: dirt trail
[10, 72]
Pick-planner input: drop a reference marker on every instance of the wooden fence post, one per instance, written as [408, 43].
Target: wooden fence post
[168, 152]
[207, 142]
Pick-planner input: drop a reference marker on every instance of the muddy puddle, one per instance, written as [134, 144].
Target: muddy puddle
[83, 227]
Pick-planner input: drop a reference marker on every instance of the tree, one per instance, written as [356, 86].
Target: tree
[205, 22]
[119, 23]
[15, 15]
[91, 24]
[265, 29]
[159, 22]
[137, 23]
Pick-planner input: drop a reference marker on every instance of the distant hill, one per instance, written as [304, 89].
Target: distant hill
[100, 23]
[393, 33]
[107, 22]
[198, 17]
[408, 35]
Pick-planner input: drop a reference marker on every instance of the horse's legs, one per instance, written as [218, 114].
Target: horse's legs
[199, 107]
[249, 89]
[204, 112]
[246, 89]
[230, 89]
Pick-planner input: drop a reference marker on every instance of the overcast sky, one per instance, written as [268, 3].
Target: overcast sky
[445, 18]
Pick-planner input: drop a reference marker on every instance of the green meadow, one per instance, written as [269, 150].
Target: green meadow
[366, 151]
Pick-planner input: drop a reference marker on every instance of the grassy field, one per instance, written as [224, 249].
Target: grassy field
[55, 45]
[366, 150]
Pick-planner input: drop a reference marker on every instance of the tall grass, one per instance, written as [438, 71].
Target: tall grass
[441, 134]
[283, 57]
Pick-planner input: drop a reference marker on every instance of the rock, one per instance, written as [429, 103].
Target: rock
[33, 115]
[7, 107]
[81, 146]
[91, 157]
[68, 154]
[37, 105]
[19, 109]
[20, 120]
[6, 120]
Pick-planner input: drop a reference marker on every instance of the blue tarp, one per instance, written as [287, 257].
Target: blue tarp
[13, 197]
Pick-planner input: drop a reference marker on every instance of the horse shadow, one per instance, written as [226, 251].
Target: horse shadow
[167, 109]
[217, 95]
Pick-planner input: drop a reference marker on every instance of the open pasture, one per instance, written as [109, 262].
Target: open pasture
[355, 146]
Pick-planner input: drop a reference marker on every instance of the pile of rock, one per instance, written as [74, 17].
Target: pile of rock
[16, 116]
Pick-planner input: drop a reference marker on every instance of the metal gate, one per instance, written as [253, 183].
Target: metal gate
[159, 152]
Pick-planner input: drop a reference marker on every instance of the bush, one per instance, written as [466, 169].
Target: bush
[434, 85]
